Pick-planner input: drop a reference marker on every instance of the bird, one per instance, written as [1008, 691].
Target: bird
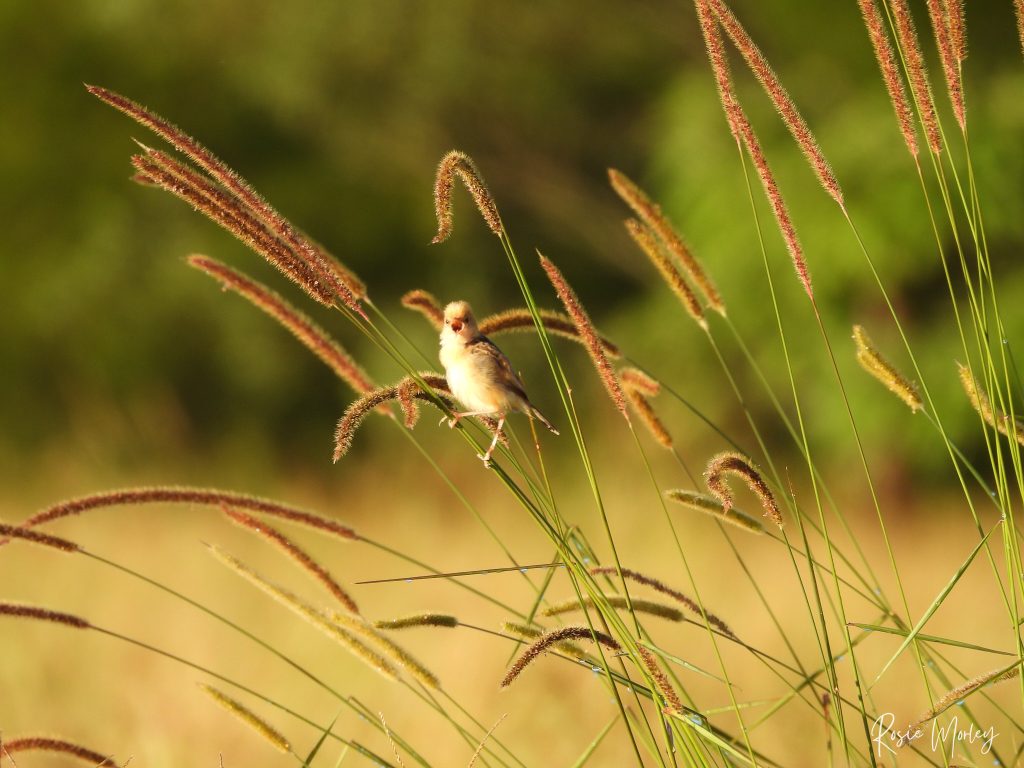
[479, 375]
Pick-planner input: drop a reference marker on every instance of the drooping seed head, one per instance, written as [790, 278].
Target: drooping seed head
[871, 360]
[458, 164]
[553, 637]
[729, 463]
[248, 717]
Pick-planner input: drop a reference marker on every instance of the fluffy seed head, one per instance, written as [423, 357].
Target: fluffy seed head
[60, 746]
[938, 13]
[648, 242]
[617, 601]
[419, 620]
[872, 361]
[18, 610]
[712, 506]
[427, 305]
[661, 683]
[907, 37]
[248, 717]
[729, 463]
[557, 323]
[553, 637]
[458, 164]
[981, 403]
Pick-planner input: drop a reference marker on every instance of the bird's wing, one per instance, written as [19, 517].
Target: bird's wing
[481, 345]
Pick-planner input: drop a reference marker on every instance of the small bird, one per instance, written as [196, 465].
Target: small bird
[479, 374]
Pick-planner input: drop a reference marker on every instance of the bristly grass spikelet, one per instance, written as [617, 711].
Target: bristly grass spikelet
[528, 632]
[731, 463]
[907, 36]
[743, 131]
[21, 611]
[312, 336]
[326, 279]
[651, 607]
[940, 19]
[648, 242]
[248, 717]
[183, 495]
[297, 554]
[551, 638]
[457, 163]
[427, 305]
[650, 213]
[1018, 7]
[59, 746]
[589, 334]
[712, 506]
[418, 620]
[310, 614]
[890, 72]
[658, 586]
[661, 683]
[873, 362]
[954, 13]
[956, 695]
[779, 97]
[981, 403]
[512, 320]
[206, 196]
[386, 646]
[638, 387]
[24, 534]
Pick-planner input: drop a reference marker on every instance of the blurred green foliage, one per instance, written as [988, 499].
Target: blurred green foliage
[338, 113]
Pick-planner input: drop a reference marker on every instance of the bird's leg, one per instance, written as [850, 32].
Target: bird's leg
[486, 458]
[455, 417]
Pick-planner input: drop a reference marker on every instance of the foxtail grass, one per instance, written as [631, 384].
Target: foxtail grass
[454, 165]
[427, 305]
[914, 59]
[732, 463]
[1001, 422]
[713, 506]
[184, 495]
[591, 339]
[530, 632]
[554, 637]
[250, 718]
[638, 387]
[645, 238]
[35, 613]
[939, 12]
[418, 620]
[290, 548]
[871, 360]
[891, 76]
[957, 695]
[636, 605]
[312, 336]
[55, 746]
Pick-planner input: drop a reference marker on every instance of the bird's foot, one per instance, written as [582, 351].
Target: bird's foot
[452, 421]
[485, 458]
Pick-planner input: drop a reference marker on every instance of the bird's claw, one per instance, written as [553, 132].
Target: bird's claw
[485, 458]
[452, 421]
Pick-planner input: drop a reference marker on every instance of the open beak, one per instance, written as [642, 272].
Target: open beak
[456, 326]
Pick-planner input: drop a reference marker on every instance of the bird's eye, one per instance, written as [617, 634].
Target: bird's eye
[447, 322]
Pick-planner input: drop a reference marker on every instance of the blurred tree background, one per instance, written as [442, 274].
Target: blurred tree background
[120, 362]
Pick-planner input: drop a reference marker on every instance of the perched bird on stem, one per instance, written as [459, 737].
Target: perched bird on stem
[479, 375]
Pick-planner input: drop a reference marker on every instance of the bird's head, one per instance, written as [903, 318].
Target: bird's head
[459, 320]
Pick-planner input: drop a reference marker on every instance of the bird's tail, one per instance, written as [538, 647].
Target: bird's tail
[541, 418]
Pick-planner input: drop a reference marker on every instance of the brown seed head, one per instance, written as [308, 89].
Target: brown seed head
[512, 320]
[427, 305]
[648, 242]
[907, 37]
[890, 72]
[458, 164]
[14, 532]
[248, 717]
[419, 620]
[312, 336]
[588, 333]
[553, 637]
[712, 506]
[661, 683]
[651, 607]
[729, 463]
[940, 19]
[49, 744]
[18, 610]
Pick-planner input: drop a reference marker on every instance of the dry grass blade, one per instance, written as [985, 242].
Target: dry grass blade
[907, 37]
[297, 554]
[183, 495]
[324, 273]
[872, 361]
[648, 242]
[480, 746]
[312, 336]
[248, 717]
[512, 320]
[890, 73]
[458, 164]
[779, 97]
[710, 505]
[57, 746]
[730, 463]
[588, 333]
[551, 638]
[658, 224]
[938, 14]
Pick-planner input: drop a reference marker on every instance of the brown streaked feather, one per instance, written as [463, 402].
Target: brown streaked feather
[481, 345]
